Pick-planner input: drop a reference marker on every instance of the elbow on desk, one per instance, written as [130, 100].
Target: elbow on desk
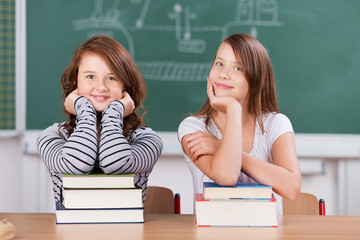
[107, 170]
[79, 168]
[293, 193]
[226, 180]
[86, 169]
[225, 176]
[114, 169]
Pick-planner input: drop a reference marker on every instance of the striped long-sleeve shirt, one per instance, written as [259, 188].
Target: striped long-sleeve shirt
[80, 153]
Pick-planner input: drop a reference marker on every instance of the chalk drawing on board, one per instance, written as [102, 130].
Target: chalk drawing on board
[185, 43]
[174, 71]
[140, 21]
[254, 13]
[251, 13]
[105, 24]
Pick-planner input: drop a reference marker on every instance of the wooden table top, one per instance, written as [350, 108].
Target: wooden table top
[41, 226]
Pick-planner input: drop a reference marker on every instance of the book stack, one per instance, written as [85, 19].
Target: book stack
[100, 198]
[245, 204]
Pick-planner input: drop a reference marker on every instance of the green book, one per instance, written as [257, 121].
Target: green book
[98, 181]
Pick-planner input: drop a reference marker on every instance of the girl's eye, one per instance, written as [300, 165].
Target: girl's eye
[237, 68]
[218, 63]
[90, 76]
[111, 78]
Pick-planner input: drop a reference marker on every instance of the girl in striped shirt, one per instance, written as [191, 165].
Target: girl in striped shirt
[102, 89]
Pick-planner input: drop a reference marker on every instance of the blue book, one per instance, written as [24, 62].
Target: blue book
[239, 190]
[94, 215]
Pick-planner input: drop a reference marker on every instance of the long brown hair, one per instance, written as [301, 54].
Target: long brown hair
[259, 75]
[123, 67]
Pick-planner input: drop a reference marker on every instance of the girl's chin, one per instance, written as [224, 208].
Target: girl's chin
[100, 107]
[221, 94]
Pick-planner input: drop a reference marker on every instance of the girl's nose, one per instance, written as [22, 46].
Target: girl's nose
[224, 74]
[101, 85]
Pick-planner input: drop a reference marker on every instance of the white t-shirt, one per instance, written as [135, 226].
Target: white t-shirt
[275, 124]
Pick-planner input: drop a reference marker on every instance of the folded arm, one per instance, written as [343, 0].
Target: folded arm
[219, 160]
[283, 174]
[76, 154]
[118, 155]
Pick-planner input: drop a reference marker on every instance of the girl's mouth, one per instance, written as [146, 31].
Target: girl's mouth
[100, 98]
[223, 86]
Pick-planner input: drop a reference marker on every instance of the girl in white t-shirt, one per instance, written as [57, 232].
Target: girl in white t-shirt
[239, 135]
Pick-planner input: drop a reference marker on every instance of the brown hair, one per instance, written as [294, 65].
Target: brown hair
[257, 68]
[123, 67]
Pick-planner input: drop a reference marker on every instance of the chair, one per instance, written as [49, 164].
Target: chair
[161, 200]
[305, 204]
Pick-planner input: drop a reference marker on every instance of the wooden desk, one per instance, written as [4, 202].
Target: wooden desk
[41, 226]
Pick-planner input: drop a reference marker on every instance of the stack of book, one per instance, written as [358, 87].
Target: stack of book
[100, 198]
[245, 204]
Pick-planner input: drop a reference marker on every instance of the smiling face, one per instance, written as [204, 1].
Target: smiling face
[227, 75]
[97, 83]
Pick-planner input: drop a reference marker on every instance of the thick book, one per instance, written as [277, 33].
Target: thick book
[239, 190]
[116, 215]
[74, 198]
[98, 181]
[235, 212]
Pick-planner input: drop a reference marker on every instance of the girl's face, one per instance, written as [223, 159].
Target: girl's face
[227, 75]
[97, 83]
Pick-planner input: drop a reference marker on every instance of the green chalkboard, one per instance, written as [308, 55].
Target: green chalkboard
[314, 46]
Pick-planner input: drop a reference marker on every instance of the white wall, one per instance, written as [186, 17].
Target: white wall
[172, 172]
[24, 182]
[10, 175]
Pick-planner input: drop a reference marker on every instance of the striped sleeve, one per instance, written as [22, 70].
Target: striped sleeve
[76, 154]
[117, 155]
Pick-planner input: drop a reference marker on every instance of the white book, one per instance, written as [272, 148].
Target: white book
[115, 215]
[235, 212]
[102, 198]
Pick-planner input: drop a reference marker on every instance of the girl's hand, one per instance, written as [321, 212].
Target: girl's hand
[200, 143]
[70, 100]
[128, 103]
[220, 104]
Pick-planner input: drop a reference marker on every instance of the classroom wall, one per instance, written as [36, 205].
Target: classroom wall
[10, 175]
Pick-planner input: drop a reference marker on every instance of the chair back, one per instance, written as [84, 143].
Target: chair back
[305, 204]
[159, 200]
